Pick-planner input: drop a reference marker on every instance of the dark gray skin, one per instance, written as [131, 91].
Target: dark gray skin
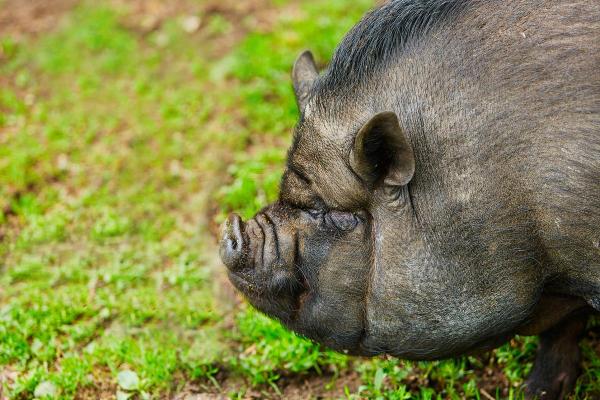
[442, 192]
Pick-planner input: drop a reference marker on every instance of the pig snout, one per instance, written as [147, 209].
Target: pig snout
[263, 244]
[232, 243]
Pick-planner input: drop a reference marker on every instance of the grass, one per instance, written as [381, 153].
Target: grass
[120, 150]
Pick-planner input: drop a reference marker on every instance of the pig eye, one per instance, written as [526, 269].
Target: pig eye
[344, 221]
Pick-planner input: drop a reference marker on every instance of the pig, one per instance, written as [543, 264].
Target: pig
[442, 190]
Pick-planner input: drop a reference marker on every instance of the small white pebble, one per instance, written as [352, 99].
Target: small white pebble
[62, 162]
[44, 389]
[190, 23]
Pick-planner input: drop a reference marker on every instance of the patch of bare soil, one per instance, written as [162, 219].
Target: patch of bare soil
[7, 376]
[20, 18]
[103, 387]
[320, 387]
[492, 379]
[145, 16]
[297, 387]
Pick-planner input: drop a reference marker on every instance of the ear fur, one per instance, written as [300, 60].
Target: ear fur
[382, 152]
[304, 74]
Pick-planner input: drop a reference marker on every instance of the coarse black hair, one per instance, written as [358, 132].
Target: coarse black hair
[381, 35]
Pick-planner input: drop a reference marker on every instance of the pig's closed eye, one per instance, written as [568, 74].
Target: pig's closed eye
[344, 221]
[341, 220]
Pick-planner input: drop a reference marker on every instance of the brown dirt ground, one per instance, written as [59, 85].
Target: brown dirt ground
[19, 18]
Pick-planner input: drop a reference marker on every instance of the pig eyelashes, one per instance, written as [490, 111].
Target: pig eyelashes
[344, 221]
[300, 174]
[341, 220]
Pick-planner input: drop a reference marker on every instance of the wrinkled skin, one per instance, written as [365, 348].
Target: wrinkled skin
[446, 201]
[286, 266]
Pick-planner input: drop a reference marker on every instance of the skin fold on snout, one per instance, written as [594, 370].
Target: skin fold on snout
[260, 256]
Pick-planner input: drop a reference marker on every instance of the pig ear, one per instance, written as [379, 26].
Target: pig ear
[304, 74]
[381, 152]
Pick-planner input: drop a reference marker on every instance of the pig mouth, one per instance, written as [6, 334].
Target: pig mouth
[257, 264]
[244, 285]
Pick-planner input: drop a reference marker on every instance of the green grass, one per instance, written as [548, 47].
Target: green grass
[119, 150]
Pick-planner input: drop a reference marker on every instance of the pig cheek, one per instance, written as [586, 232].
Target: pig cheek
[332, 311]
[329, 322]
[336, 266]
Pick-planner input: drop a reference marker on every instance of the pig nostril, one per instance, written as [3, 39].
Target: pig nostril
[232, 243]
